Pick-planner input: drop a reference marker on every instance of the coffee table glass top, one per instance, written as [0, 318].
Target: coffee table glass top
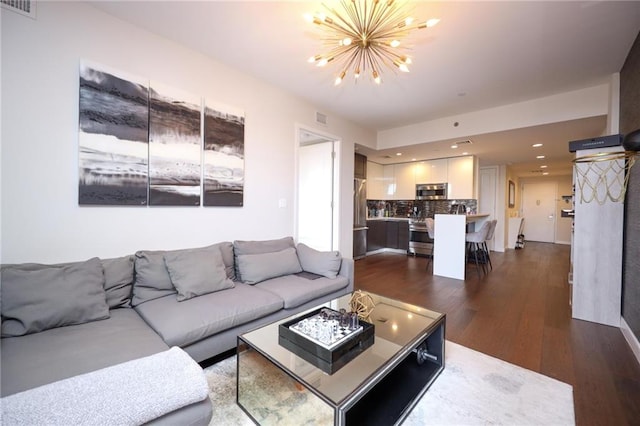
[397, 325]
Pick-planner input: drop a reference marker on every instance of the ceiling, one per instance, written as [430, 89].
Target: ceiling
[481, 55]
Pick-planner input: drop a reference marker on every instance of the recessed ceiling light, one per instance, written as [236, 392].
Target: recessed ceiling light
[413, 159]
[398, 154]
[536, 145]
[540, 157]
[465, 153]
[454, 146]
[543, 167]
[545, 173]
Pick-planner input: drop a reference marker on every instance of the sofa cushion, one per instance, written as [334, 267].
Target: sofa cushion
[152, 278]
[295, 290]
[195, 273]
[33, 301]
[56, 354]
[255, 268]
[259, 247]
[183, 323]
[325, 263]
[118, 281]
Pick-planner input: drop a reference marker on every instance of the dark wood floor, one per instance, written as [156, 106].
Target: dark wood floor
[520, 313]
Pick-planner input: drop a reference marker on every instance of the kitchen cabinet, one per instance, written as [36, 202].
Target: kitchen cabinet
[405, 183]
[433, 171]
[461, 178]
[403, 235]
[360, 166]
[376, 235]
[389, 234]
[375, 181]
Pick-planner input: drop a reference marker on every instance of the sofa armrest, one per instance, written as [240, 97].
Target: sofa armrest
[347, 271]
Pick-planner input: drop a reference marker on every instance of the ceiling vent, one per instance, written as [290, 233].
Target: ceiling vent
[23, 7]
[321, 118]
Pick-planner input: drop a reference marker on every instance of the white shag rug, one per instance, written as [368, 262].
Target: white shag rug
[473, 389]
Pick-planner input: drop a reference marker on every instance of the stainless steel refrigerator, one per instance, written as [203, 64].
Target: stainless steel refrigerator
[359, 218]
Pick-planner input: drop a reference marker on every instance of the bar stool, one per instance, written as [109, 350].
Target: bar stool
[475, 241]
[430, 230]
[492, 230]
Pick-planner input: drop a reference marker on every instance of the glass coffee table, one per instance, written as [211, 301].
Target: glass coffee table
[380, 385]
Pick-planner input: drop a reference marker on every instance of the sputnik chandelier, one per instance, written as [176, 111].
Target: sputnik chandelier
[364, 36]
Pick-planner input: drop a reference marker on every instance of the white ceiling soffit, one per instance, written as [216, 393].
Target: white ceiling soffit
[481, 55]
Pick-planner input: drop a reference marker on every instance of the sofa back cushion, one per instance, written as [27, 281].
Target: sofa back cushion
[37, 300]
[325, 263]
[152, 278]
[118, 277]
[118, 281]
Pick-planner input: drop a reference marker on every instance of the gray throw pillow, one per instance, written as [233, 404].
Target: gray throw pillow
[34, 301]
[325, 263]
[197, 273]
[255, 268]
[258, 247]
[152, 278]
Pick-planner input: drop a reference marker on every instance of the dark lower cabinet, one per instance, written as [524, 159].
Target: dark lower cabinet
[376, 235]
[403, 235]
[392, 234]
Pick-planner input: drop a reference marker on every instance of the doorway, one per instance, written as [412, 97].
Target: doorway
[488, 195]
[539, 211]
[317, 189]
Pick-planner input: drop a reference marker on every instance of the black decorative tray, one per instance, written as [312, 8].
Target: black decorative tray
[327, 356]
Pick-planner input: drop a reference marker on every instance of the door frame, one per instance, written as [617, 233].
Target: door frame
[337, 143]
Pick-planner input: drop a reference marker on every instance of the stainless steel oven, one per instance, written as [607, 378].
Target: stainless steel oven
[419, 241]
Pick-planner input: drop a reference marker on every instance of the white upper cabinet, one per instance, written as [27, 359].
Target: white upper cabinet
[405, 181]
[433, 171]
[375, 181]
[461, 178]
[398, 181]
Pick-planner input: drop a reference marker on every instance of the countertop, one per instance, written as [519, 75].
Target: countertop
[405, 219]
[470, 217]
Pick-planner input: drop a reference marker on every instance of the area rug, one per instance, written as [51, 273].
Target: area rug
[473, 389]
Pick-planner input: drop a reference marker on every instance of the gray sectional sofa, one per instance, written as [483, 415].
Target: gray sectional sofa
[67, 322]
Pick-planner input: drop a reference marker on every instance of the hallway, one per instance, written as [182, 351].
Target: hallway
[520, 313]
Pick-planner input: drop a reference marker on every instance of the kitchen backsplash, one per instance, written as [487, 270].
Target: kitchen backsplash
[405, 208]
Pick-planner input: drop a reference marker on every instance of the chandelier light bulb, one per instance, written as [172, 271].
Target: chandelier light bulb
[346, 41]
[365, 36]
[432, 22]
[376, 77]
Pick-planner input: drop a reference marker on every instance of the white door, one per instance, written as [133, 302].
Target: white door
[488, 193]
[316, 192]
[539, 211]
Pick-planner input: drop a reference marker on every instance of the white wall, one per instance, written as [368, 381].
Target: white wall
[41, 219]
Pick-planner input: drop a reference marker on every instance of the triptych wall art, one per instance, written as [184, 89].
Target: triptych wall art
[144, 143]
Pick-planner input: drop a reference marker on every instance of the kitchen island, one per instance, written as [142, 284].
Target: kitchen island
[450, 232]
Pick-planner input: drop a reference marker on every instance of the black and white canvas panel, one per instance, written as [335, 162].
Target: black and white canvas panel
[223, 156]
[113, 136]
[175, 148]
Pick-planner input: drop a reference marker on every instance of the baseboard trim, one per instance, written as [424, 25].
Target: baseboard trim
[632, 340]
[566, 243]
